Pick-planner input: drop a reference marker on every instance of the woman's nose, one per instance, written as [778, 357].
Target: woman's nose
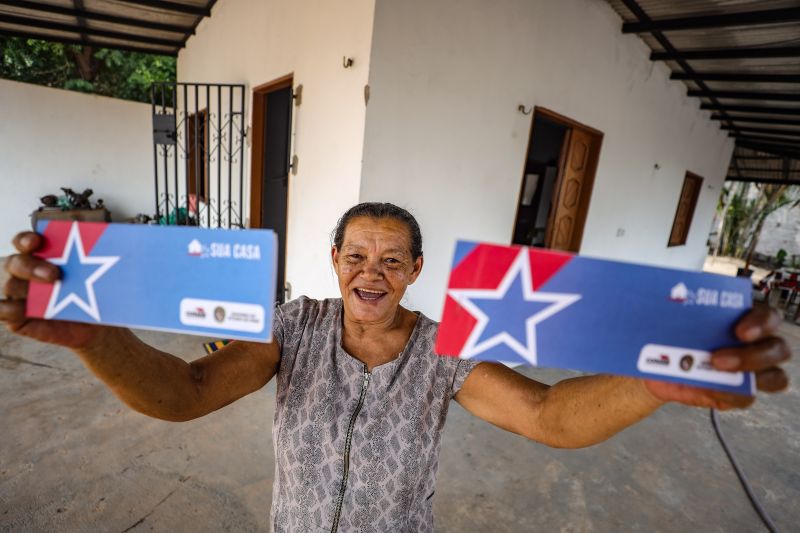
[372, 269]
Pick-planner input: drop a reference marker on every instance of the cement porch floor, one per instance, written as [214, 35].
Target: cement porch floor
[73, 458]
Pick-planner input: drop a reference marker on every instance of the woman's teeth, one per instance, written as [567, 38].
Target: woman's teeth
[367, 294]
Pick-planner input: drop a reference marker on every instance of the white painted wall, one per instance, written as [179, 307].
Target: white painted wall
[256, 41]
[781, 231]
[444, 137]
[52, 138]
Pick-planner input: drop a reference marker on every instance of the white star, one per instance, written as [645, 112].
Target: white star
[521, 266]
[90, 307]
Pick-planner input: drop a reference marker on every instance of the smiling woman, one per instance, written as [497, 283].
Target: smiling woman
[361, 397]
[375, 265]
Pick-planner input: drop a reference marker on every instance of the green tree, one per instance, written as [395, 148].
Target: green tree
[745, 214]
[102, 71]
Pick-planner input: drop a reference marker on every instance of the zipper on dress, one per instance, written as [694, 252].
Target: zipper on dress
[348, 438]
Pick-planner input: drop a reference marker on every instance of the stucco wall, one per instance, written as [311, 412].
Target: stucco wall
[445, 139]
[256, 41]
[781, 231]
[51, 138]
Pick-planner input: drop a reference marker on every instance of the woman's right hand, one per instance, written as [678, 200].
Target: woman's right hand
[23, 268]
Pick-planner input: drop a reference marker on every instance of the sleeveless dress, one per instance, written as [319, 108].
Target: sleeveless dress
[356, 450]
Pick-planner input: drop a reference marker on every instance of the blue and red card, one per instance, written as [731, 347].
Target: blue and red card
[537, 307]
[175, 278]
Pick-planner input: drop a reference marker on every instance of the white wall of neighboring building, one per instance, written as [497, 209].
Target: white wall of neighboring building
[257, 41]
[781, 231]
[52, 138]
[445, 139]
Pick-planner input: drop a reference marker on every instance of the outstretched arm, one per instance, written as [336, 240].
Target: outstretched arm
[573, 413]
[583, 411]
[148, 380]
[163, 386]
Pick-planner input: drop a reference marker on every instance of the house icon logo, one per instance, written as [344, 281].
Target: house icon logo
[195, 248]
[679, 293]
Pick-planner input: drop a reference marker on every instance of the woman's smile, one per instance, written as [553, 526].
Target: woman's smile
[369, 295]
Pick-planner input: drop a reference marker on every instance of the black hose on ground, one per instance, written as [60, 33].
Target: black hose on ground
[770, 525]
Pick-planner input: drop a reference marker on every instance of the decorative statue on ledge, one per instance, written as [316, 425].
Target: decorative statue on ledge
[78, 201]
[70, 200]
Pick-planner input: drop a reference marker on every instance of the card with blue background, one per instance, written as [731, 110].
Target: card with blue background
[537, 307]
[211, 282]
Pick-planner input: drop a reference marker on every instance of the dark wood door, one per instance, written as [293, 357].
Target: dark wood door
[271, 165]
[685, 212]
[567, 214]
[275, 174]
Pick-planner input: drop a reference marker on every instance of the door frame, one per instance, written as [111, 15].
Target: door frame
[591, 171]
[257, 145]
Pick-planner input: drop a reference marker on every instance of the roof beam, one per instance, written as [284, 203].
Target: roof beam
[791, 133]
[80, 19]
[67, 40]
[763, 139]
[756, 119]
[737, 77]
[171, 6]
[771, 169]
[752, 109]
[758, 157]
[771, 149]
[752, 18]
[727, 53]
[751, 179]
[58, 26]
[747, 95]
[642, 16]
[100, 17]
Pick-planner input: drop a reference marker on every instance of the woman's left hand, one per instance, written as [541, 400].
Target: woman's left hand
[762, 353]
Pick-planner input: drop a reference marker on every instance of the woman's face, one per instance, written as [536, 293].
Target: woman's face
[374, 267]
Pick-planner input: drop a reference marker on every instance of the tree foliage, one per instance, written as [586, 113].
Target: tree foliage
[102, 71]
[746, 211]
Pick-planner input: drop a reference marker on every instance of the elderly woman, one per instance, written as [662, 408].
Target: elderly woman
[361, 397]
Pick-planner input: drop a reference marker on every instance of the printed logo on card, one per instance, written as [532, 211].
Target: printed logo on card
[680, 293]
[225, 250]
[684, 363]
[234, 316]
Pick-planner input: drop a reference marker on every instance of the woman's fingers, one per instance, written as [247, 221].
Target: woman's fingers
[760, 322]
[27, 267]
[772, 380]
[12, 312]
[727, 400]
[761, 355]
[27, 242]
[15, 289]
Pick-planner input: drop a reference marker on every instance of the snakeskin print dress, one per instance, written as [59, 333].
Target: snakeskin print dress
[356, 450]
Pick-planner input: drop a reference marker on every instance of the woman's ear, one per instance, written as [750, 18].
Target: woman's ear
[334, 257]
[417, 269]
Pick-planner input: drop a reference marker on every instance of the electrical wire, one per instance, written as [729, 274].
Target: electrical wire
[770, 525]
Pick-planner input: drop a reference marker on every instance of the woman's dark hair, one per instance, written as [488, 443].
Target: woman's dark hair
[380, 210]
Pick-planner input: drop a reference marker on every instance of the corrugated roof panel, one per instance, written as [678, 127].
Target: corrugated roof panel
[661, 9]
[141, 11]
[15, 28]
[765, 35]
[753, 86]
[146, 25]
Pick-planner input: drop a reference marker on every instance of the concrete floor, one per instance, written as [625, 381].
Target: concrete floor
[73, 458]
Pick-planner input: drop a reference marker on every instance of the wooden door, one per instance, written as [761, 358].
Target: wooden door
[571, 199]
[685, 212]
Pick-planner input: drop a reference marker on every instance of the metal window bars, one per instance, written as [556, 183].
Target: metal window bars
[198, 153]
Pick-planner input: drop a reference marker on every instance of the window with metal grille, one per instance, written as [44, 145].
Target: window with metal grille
[686, 204]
